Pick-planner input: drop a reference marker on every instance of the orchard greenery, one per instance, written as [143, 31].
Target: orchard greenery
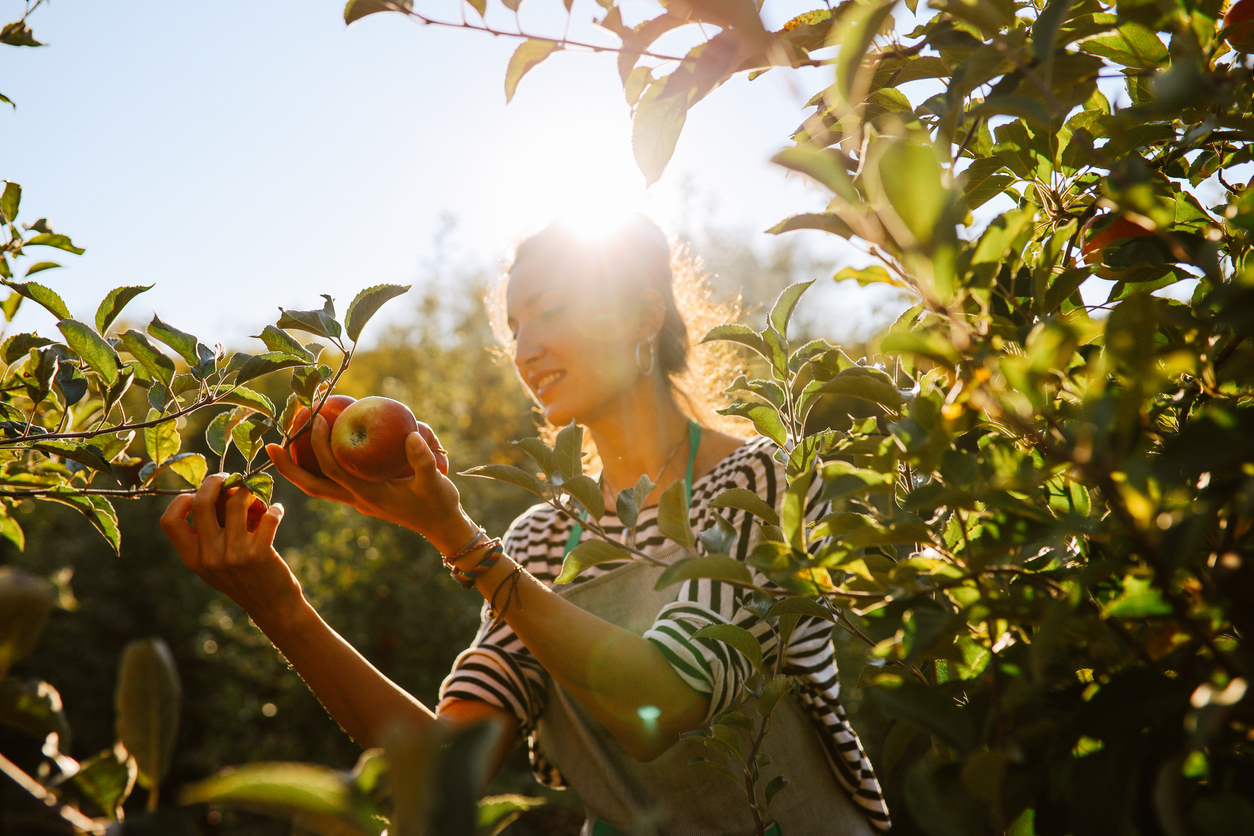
[1041, 534]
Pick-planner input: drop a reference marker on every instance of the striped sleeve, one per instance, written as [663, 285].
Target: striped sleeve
[707, 665]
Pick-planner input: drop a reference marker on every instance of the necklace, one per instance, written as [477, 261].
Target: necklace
[605, 483]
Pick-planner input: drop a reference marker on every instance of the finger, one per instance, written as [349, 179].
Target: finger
[237, 512]
[309, 484]
[421, 457]
[321, 441]
[437, 449]
[174, 524]
[204, 502]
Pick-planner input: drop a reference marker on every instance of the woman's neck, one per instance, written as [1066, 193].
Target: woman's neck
[643, 436]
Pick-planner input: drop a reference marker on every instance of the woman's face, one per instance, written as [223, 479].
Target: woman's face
[574, 346]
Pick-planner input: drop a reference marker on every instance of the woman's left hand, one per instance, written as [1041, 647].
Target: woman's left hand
[427, 502]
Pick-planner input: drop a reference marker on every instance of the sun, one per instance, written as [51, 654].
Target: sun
[577, 166]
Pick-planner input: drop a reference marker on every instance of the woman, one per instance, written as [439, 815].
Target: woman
[604, 677]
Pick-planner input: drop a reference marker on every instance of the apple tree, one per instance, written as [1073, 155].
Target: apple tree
[1043, 536]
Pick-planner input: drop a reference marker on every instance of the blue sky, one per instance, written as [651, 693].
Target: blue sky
[243, 156]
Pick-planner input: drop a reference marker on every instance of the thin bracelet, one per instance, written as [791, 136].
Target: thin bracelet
[466, 549]
[466, 577]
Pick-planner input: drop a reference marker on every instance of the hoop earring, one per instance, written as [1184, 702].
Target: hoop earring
[652, 343]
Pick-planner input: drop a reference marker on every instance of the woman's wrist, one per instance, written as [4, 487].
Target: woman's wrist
[454, 534]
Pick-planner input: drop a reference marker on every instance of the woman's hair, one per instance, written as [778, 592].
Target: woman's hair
[632, 258]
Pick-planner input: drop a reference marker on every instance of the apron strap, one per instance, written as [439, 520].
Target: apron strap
[694, 442]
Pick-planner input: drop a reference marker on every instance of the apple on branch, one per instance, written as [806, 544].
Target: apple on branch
[302, 439]
[368, 439]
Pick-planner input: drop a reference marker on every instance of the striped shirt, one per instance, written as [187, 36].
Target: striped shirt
[499, 670]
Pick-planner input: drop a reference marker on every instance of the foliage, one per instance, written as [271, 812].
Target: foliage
[1041, 522]
[1043, 533]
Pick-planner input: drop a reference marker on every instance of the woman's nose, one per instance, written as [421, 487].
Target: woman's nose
[526, 349]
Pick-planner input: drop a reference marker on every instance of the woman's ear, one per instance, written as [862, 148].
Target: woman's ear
[652, 313]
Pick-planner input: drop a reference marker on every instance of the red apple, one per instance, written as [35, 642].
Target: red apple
[1239, 26]
[1092, 243]
[368, 439]
[302, 445]
[255, 511]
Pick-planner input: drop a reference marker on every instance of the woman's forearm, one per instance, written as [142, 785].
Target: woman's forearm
[623, 679]
[357, 695]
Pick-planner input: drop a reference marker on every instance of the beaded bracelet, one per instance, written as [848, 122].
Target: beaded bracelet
[466, 577]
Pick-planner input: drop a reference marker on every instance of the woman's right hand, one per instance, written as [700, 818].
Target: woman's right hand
[241, 564]
[427, 502]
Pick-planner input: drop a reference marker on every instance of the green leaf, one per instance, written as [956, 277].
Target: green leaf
[738, 638]
[538, 451]
[355, 10]
[672, 516]
[509, 474]
[719, 538]
[320, 322]
[589, 553]
[19, 345]
[147, 701]
[96, 353]
[150, 358]
[243, 396]
[867, 384]
[43, 296]
[782, 310]
[929, 346]
[107, 779]
[276, 339]
[41, 266]
[366, 304]
[773, 787]
[60, 242]
[568, 451]
[529, 53]
[247, 432]
[747, 501]
[255, 366]
[765, 420]
[261, 485]
[717, 567]
[911, 177]
[772, 693]
[161, 440]
[9, 202]
[216, 434]
[799, 605]
[114, 303]
[822, 221]
[824, 166]
[85, 454]
[1133, 45]
[321, 797]
[192, 467]
[180, 341]
[495, 809]
[588, 493]
[655, 129]
[843, 480]
[742, 334]
[1139, 598]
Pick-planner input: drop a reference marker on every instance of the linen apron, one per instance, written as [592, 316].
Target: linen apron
[665, 797]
